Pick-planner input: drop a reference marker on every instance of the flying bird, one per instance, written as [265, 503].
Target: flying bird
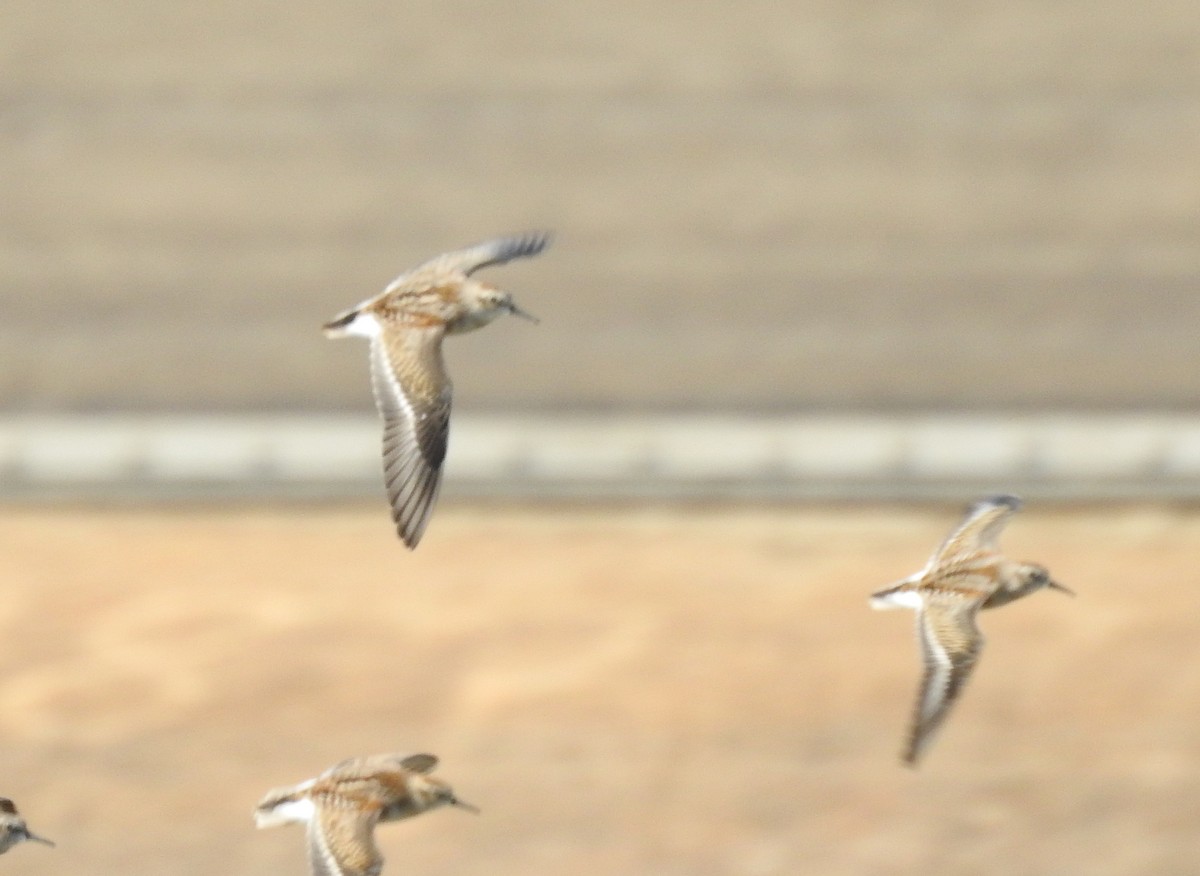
[965, 574]
[405, 324]
[342, 806]
[13, 829]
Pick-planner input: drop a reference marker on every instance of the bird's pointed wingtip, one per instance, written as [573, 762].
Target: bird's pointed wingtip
[1007, 500]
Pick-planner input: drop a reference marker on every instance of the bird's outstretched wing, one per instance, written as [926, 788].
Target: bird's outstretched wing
[496, 251]
[950, 645]
[341, 842]
[417, 763]
[977, 532]
[413, 394]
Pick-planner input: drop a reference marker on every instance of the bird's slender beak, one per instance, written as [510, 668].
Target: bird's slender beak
[39, 839]
[524, 314]
[462, 804]
[1054, 585]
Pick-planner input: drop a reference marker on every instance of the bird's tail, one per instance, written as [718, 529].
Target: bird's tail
[899, 595]
[282, 806]
[337, 327]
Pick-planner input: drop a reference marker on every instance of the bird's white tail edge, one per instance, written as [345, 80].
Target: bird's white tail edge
[284, 812]
[896, 596]
[355, 322]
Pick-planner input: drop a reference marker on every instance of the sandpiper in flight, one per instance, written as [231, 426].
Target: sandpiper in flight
[13, 829]
[342, 806]
[406, 323]
[966, 573]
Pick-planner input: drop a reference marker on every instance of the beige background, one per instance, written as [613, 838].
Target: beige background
[621, 691]
[791, 208]
[795, 205]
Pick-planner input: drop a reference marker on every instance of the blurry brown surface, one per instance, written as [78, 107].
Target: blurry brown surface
[622, 691]
[833, 205]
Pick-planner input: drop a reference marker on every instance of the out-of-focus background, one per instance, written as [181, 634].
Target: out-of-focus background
[841, 253]
[841, 206]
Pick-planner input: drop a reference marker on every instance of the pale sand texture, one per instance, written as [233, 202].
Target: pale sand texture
[621, 691]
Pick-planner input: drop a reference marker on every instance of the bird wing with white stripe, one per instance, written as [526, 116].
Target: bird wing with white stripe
[341, 842]
[413, 393]
[950, 645]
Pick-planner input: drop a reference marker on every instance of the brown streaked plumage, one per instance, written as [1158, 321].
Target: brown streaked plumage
[342, 806]
[13, 829]
[965, 574]
[405, 324]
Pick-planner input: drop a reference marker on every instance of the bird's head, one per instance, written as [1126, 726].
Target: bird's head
[435, 792]
[502, 302]
[1037, 577]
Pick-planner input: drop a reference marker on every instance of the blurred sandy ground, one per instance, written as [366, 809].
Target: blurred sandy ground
[621, 690]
